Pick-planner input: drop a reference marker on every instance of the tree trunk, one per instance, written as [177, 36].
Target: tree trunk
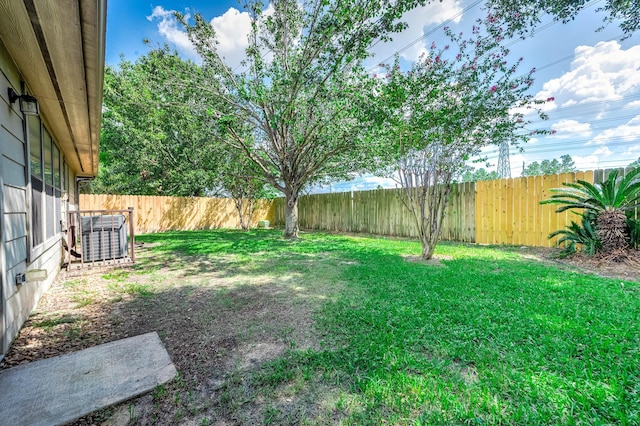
[291, 220]
[245, 207]
[427, 247]
[612, 230]
[430, 233]
[431, 216]
[239, 208]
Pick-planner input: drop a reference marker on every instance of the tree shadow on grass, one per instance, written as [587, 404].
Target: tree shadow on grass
[331, 328]
[234, 252]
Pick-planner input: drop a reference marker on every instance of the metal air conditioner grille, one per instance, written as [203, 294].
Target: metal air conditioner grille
[104, 237]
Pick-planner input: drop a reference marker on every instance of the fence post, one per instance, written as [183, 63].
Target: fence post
[133, 239]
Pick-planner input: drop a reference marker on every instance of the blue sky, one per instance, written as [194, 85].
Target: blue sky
[593, 76]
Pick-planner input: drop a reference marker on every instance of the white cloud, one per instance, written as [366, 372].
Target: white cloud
[571, 128]
[628, 131]
[603, 151]
[633, 150]
[431, 14]
[169, 28]
[593, 160]
[517, 163]
[598, 73]
[633, 104]
[634, 121]
[232, 30]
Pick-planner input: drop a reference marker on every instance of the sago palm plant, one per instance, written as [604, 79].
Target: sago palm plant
[610, 202]
[578, 235]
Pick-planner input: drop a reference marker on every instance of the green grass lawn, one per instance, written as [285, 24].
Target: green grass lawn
[487, 337]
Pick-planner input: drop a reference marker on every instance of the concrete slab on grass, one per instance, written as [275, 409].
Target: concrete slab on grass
[59, 390]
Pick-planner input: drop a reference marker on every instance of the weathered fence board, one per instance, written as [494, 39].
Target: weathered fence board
[380, 212]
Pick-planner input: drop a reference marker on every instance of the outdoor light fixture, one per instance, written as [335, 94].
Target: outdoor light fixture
[28, 104]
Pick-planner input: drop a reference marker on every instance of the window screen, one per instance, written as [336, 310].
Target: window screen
[47, 158]
[35, 148]
[36, 211]
[50, 212]
[56, 167]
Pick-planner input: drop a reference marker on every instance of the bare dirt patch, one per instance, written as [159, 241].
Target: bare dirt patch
[625, 268]
[436, 260]
[219, 320]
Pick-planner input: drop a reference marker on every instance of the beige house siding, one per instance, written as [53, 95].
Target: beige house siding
[52, 50]
[16, 253]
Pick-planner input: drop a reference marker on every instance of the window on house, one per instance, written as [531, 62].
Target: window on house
[46, 183]
[37, 186]
[57, 188]
[63, 176]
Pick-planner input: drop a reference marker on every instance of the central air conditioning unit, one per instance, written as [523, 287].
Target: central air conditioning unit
[104, 238]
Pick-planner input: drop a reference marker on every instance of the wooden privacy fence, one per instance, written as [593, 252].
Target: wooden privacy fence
[379, 212]
[508, 211]
[505, 211]
[157, 214]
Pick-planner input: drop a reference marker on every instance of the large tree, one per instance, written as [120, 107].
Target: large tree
[453, 102]
[300, 87]
[155, 137]
[522, 16]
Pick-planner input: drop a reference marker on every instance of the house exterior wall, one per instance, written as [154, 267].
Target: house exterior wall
[18, 253]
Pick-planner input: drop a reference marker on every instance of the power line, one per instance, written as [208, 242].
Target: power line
[428, 33]
[614, 141]
[607, 103]
[545, 26]
[556, 152]
[463, 11]
[600, 120]
[590, 165]
[557, 61]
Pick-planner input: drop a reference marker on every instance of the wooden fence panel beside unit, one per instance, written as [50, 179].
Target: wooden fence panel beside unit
[157, 214]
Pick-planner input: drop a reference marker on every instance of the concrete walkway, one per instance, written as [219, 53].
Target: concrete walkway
[59, 390]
